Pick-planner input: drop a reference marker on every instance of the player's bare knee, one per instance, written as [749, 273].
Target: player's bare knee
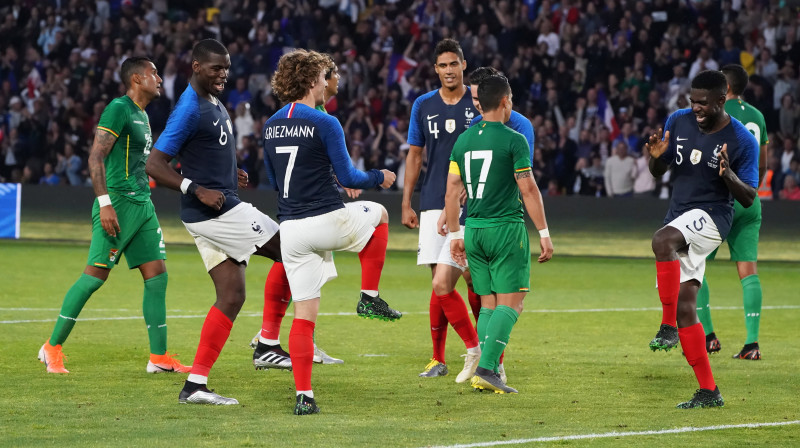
[384, 215]
[662, 246]
[442, 285]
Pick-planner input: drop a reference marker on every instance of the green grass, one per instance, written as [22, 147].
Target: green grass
[578, 372]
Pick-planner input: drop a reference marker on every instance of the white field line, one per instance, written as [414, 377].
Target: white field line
[622, 434]
[253, 314]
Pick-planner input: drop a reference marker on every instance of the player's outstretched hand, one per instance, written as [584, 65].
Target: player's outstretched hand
[656, 145]
[352, 193]
[243, 178]
[109, 221]
[211, 198]
[724, 162]
[458, 252]
[388, 178]
[547, 249]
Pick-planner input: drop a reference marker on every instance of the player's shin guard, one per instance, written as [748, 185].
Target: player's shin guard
[213, 335]
[277, 297]
[751, 287]
[474, 304]
[438, 328]
[301, 349]
[668, 276]
[497, 334]
[704, 308]
[372, 257]
[456, 312]
[693, 342]
[154, 308]
[483, 323]
[76, 298]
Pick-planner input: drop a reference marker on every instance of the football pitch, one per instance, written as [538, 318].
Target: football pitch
[578, 355]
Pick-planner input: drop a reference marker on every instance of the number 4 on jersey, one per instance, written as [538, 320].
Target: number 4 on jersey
[486, 157]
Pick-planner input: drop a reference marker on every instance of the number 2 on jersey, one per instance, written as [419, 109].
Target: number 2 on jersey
[486, 156]
[292, 151]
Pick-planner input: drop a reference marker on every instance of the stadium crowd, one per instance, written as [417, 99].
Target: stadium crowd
[594, 77]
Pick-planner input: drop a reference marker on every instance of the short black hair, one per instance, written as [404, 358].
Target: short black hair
[130, 66]
[448, 46]
[491, 91]
[205, 48]
[711, 80]
[737, 78]
[481, 73]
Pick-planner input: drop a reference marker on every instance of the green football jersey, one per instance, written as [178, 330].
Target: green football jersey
[488, 155]
[125, 173]
[751, 117]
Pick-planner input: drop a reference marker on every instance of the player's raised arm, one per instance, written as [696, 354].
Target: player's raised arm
[103, 143]
[347, 175]
[657, 146]
[742, 192]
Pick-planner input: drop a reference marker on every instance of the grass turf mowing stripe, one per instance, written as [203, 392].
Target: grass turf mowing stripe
[685, 429]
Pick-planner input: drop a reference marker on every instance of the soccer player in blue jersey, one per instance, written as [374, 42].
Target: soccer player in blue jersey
[303, 149]
[714, 160]
[226, 230]
[437, 119]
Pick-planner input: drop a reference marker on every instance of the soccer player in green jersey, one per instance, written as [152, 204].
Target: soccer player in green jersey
[123, 219]
[493, 163]
[743, 237]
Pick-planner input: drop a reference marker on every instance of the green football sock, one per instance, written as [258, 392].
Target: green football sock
[704, 308]
[154, 309]
[497, 334]
[76, 298]
[483, 321]
[751, 288]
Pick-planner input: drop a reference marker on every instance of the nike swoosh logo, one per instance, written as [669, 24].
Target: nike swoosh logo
[163, 369]
[682, 139]
[431, 117]
[215, 123]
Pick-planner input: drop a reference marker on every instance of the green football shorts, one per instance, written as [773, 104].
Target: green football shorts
[139, 237]
[499, 258]
[743, 237]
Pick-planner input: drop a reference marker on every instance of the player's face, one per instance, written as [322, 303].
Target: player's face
[507, 109]
[707, 107]
[450, 70]
[473, 88]
[150, 81]
[318, 89]
[333, 84]
[212, 74]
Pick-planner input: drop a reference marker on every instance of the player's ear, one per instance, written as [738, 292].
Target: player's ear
[464, 65]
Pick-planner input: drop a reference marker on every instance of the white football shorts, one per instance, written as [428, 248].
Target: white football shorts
[307, 243]
[701, 234]
[235, 234]
[433, 248]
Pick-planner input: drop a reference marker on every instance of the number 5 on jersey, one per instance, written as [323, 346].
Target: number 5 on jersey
[486, 157]
[292, 151]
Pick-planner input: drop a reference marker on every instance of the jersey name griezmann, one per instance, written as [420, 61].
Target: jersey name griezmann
[288, 131]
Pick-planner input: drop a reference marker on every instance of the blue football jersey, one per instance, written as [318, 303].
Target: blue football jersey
[436, 126]
[303, 149]
[693, 158]
[517, 122]
[200, 134]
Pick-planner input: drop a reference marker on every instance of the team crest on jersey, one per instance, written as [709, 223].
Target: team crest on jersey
[450, 125]
[112, 255]
[468, 114]
[695, 156]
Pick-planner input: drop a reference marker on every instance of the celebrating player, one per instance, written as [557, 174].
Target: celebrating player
[123, 219]
[437, 119]
[226, 230]
[712, 157]
[493, 163]
[743, 237]
[303, 148]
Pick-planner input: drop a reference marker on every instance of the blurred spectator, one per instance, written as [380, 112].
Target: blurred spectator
[789, 153]
[644, 185]
[49, 177]
[791, 191]
[619, 173]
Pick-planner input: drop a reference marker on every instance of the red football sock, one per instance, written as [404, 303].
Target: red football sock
[277, 297]
[502, 355]
[474, 303]
[668, 276]
[693, 342]
[372, 257]
[438, 328]
[213, 335]
[456, 312]
[301, 350]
